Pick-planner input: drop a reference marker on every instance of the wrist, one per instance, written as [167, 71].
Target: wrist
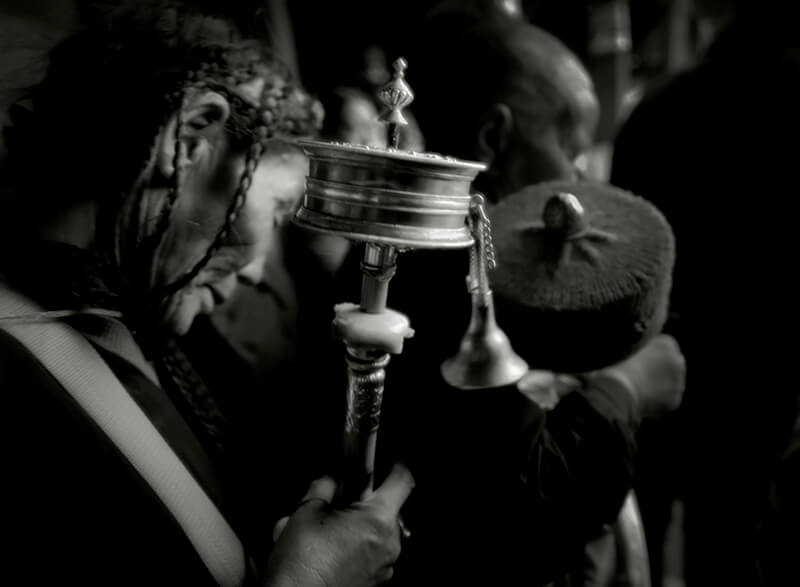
[284, 574]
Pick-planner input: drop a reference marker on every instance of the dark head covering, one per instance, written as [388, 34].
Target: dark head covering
[583, 273]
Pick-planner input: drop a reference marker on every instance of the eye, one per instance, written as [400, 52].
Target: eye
[198, 122]
[202, 117]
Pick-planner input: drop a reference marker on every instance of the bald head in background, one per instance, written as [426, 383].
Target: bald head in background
[495, 88]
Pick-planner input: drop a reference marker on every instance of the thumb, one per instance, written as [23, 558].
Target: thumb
[395, 489]
[323, 488]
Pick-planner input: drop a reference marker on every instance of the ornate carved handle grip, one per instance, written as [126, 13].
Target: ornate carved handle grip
[365, 378]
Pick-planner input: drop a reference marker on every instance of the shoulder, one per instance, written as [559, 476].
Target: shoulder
[62, 473]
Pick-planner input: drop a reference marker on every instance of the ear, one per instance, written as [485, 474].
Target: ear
[204, 118]
[494, 132]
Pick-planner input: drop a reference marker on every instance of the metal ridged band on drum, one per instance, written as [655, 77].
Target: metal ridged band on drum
[384, 215]
[403, 219]
[375, 204]
[390, 173]
[388, 234]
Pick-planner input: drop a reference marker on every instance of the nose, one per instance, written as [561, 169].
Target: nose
[253, 273]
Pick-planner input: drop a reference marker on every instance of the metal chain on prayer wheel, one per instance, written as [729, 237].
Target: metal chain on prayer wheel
[392, 201]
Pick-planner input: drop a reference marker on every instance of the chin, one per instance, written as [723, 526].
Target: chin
[180, 315]
[182, 325]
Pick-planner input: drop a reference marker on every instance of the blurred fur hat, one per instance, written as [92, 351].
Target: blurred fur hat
[583, 276]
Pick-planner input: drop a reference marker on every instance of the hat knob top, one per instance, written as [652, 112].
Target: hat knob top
[564, 214]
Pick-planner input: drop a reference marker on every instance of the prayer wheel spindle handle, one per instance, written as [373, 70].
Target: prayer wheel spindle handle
[371, 331]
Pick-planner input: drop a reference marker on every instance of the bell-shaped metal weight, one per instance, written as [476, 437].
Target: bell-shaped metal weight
[485, 358]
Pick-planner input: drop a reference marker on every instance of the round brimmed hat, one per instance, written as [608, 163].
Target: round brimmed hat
[583, 274]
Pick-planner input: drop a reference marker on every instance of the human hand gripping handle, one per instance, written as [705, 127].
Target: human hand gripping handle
[355, 546]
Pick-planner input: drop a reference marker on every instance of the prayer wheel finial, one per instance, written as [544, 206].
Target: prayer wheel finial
[395, 96]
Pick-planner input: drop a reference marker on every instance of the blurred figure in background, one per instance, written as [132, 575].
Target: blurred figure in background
[715, 148]
[779, 531]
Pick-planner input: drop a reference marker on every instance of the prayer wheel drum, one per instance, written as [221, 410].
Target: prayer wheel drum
[385, 196]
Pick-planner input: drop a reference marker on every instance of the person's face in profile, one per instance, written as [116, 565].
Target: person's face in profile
[212, 178]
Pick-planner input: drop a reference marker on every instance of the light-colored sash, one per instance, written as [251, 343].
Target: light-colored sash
[78, 367]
